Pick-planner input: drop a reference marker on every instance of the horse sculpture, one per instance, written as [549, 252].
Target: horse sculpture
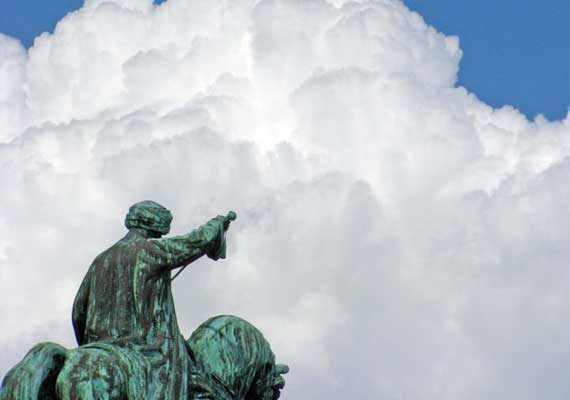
[233, 361]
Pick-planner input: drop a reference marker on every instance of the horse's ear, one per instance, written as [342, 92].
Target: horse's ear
[281, 369]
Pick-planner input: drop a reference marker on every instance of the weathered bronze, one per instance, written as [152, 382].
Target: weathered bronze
[130, 346]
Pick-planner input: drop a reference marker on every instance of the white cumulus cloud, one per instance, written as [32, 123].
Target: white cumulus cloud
[396, 238]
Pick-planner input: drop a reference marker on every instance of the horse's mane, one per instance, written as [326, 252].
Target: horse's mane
[233, 352]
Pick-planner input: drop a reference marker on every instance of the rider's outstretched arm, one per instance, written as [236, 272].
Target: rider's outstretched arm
[179, 251]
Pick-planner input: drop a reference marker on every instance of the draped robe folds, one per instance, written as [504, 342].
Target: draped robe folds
[124, 308]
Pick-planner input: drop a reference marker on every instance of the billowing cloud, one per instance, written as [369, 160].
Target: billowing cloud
[396, 237]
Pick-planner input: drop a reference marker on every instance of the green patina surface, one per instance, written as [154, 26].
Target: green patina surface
[130, 345]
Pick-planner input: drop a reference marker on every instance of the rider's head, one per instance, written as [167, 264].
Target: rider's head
[149, 216]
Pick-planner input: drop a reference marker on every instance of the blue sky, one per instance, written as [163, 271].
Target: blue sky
[514, 52]
[25, 19]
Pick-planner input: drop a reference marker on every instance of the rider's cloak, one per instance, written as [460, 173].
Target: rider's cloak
[125, 308]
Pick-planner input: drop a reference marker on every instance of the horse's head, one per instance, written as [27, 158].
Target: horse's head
[269, 384]
[234, 360]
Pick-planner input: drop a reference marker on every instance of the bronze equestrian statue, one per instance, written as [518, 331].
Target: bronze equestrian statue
[130, 345]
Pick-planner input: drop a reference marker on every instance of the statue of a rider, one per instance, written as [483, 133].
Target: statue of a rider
[125, 308]
[130, 346]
